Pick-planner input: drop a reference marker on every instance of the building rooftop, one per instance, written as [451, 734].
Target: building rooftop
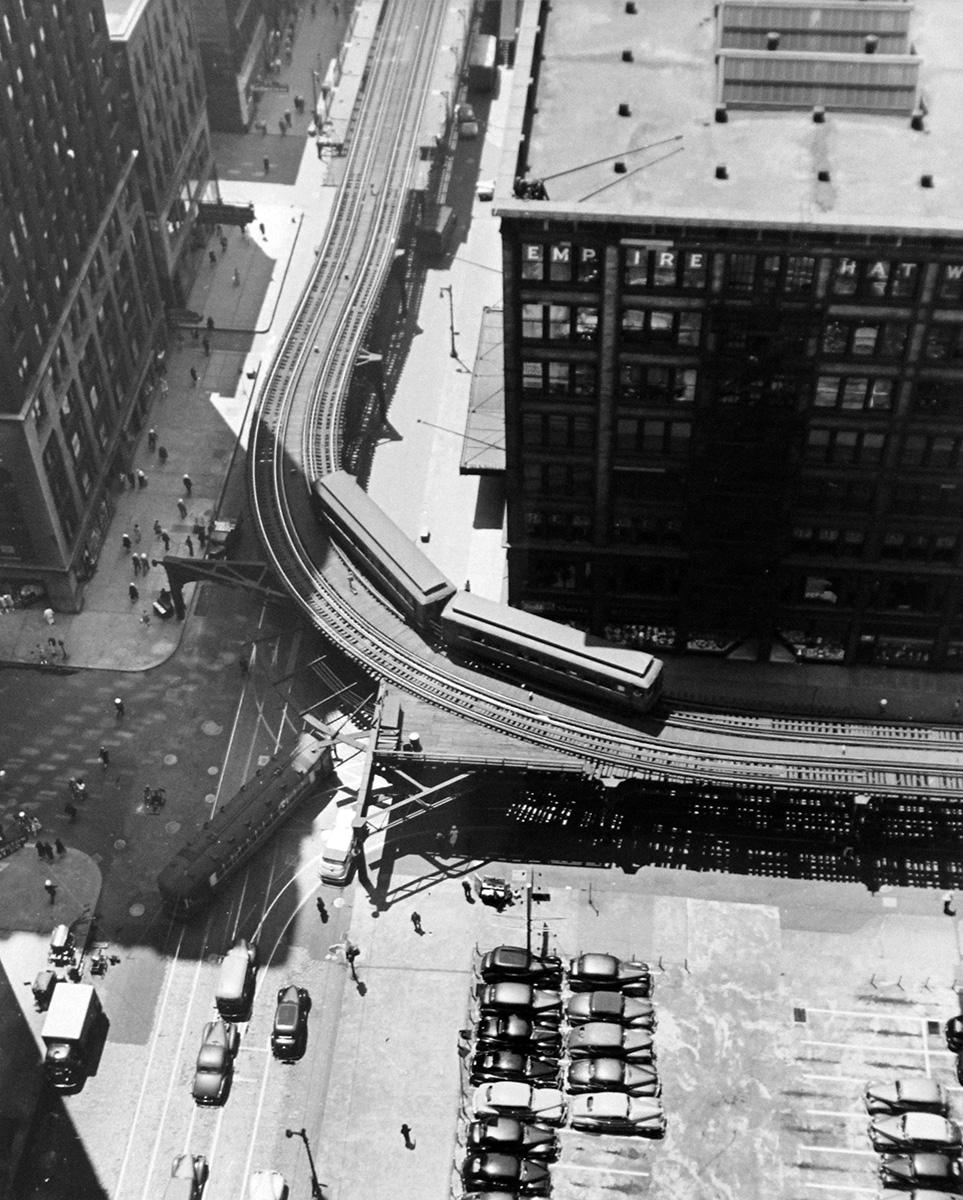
[671, 144]
[122, 16]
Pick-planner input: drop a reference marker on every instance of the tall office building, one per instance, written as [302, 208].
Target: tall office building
[164, 117]
[733, 307]
[80, 307]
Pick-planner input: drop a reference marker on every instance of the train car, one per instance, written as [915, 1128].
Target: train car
[240, 826]
[381, 551]
[483, 63]
[537, 649]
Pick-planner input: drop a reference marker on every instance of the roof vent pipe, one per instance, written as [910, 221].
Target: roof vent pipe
[721, 172]
[624, 110]
[772, 39]
[819, 115]
[722, 114]
[823, 176]
[926, 181]
[871, 43]
[628, 56]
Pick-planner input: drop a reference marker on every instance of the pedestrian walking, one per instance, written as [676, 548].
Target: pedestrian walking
[223, 244]
[141, 479]
[164, 387]
[416, 923]
[162, 455]
[133, 592]
[453, 836]
[166, 539]
[182, 509]
[51, 889]
[157, 529]
[193, 376]
[263, 230]
[210, 324]
[63, 649]
[151, 439]
[189, 543]
[135, 563]
[282, 125]
[267, 163]
[406, 1134]
[188, 483]
[883, 705]
[71, 812]
[42, 855]
[469, 894]
[125, 541]
[144, 564]
[119, 708]
[52, 646]
[104, 755]
[81, 789]
[236, 278]
[136, 534]
[206, 343]
[132, 479]
[212, 258]
[948, 908]
[322, 910]
[60, 847]
[201, 536]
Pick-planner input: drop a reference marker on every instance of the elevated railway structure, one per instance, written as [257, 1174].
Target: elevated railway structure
[298, 437]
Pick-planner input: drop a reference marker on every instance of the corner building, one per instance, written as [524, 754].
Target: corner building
[80, 308]
[733, 307]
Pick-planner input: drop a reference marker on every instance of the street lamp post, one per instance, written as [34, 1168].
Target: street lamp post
[314, 92]
[316, 1192]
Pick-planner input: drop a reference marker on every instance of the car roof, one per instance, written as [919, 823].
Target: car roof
[510, 992]
[597, 1033]
[506, 956]
[602, 1104]
[920, 1125]
[603, 965]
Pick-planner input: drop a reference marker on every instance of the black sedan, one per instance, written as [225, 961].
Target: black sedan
[937, 1171]
[953, 1029]
[508, 1136]
[605, 972]
[513, 1032]
[289, 1036]
[520, 1175]
[489, 1066]
[512, 962]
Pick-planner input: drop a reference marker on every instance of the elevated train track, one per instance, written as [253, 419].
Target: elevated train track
[297, 436]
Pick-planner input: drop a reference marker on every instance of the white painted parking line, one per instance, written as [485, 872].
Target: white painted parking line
[848, 1113]
[839, 1187]
[858, 1079]
[859, 1014]
[866, 1048]
[839, 1150]
[562, 1166]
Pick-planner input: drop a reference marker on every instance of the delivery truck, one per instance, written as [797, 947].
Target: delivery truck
[67, 1034]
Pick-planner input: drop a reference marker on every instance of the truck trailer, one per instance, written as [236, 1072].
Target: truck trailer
[67, 1033]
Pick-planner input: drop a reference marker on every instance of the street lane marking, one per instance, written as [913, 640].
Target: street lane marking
[838, 1150]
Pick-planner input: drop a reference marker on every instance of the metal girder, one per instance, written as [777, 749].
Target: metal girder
[253, 576]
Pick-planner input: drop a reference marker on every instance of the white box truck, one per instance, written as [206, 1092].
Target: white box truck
[73, 1012]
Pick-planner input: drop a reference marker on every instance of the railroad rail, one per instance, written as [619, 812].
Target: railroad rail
[298, 434]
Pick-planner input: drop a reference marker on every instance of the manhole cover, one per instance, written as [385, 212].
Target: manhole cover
[136, 910]
[211, 728]
[169, 760]
[213, 770]
[120, 844]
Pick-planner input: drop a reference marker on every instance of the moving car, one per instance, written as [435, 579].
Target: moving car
[215, 1062]
[289, 1036]
[937, 1171]
[916, 1131]
[602, 1039]
[612, 1075]
[605, 972]
[611, 1006]
[492, 1065]
[512, 1099]
[617, 1112]
[512, 962]
[510, 996]
[188, 1175]
[906, 1095]
[518, 1175]
[953, 1029]
[515, 1033]
[510, 1136]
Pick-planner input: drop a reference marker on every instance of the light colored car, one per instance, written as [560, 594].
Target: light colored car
[188, 1175]
[511, 996]
[466, 121]
[603, 1039]
[612, 1075]
[509, 1098]
[267, 1185]
[918, 1094]
[215, 1062]
[915, 1131]
[611, 1006]
[617, 1112]
[605, 972]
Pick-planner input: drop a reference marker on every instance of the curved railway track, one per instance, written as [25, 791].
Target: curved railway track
[297, 436]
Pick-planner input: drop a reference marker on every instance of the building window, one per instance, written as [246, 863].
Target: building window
[552, 380]
[874, 279]
[646, 436]
[854, 392]
[559, 322]
[938, 397]
[661, 327]
[559, 262]
[844, 446]
[656, 386]
[944, 342]
[664, 267]
[864, 339]
[558, 479]
[950, 286]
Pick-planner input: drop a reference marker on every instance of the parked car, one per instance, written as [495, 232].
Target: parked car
[918, 1094]
[512, 962]
[509, 1098]
[911, 1194]
[612, 1075]
[611, 1006]
[936, 1171]
[602, 1039]
[953, 1029]
[289, 1036]
[491, 1065]
[466, 121]
[520, 1175]
[215, 1062]
[509, 996]
[916, 1131]
[511, 1136]
[188, 1176]
[513, 1032]
[267, 1185]
[617, 1112]
[605, 972]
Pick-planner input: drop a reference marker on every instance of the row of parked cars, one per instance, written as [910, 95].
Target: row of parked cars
[528, 1035]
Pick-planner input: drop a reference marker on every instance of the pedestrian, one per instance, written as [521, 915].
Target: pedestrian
[52, 646]
[82, 789]
[201, 536]
[282, 125]
[157, 529]
[188, 542]
[322, 910]
[416, 923]
[141, 479]
[212, 257]
[162, 455]
[144, 564]
[948, 908]
[210, 324]
[133, 592]
[119, 708]
[136, 534]
[151, 439]
[42, 855]
[182, 509]
[223, 244]
[206, 343]
[883, 705]
[104, 755]
[60, 847]
[262, 229]
[63, 649]
[135, 562]
[166, 539]
[132, 479]
[164, 387]
[406, 1134]
[71, 812]
[469, 894]
[125, 540]
[50, 888]
[188, 483]
[453, 836]
[267, 163]
[193, 376]
[236, 278]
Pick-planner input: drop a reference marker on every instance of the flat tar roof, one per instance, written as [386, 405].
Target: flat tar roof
[671, 143]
